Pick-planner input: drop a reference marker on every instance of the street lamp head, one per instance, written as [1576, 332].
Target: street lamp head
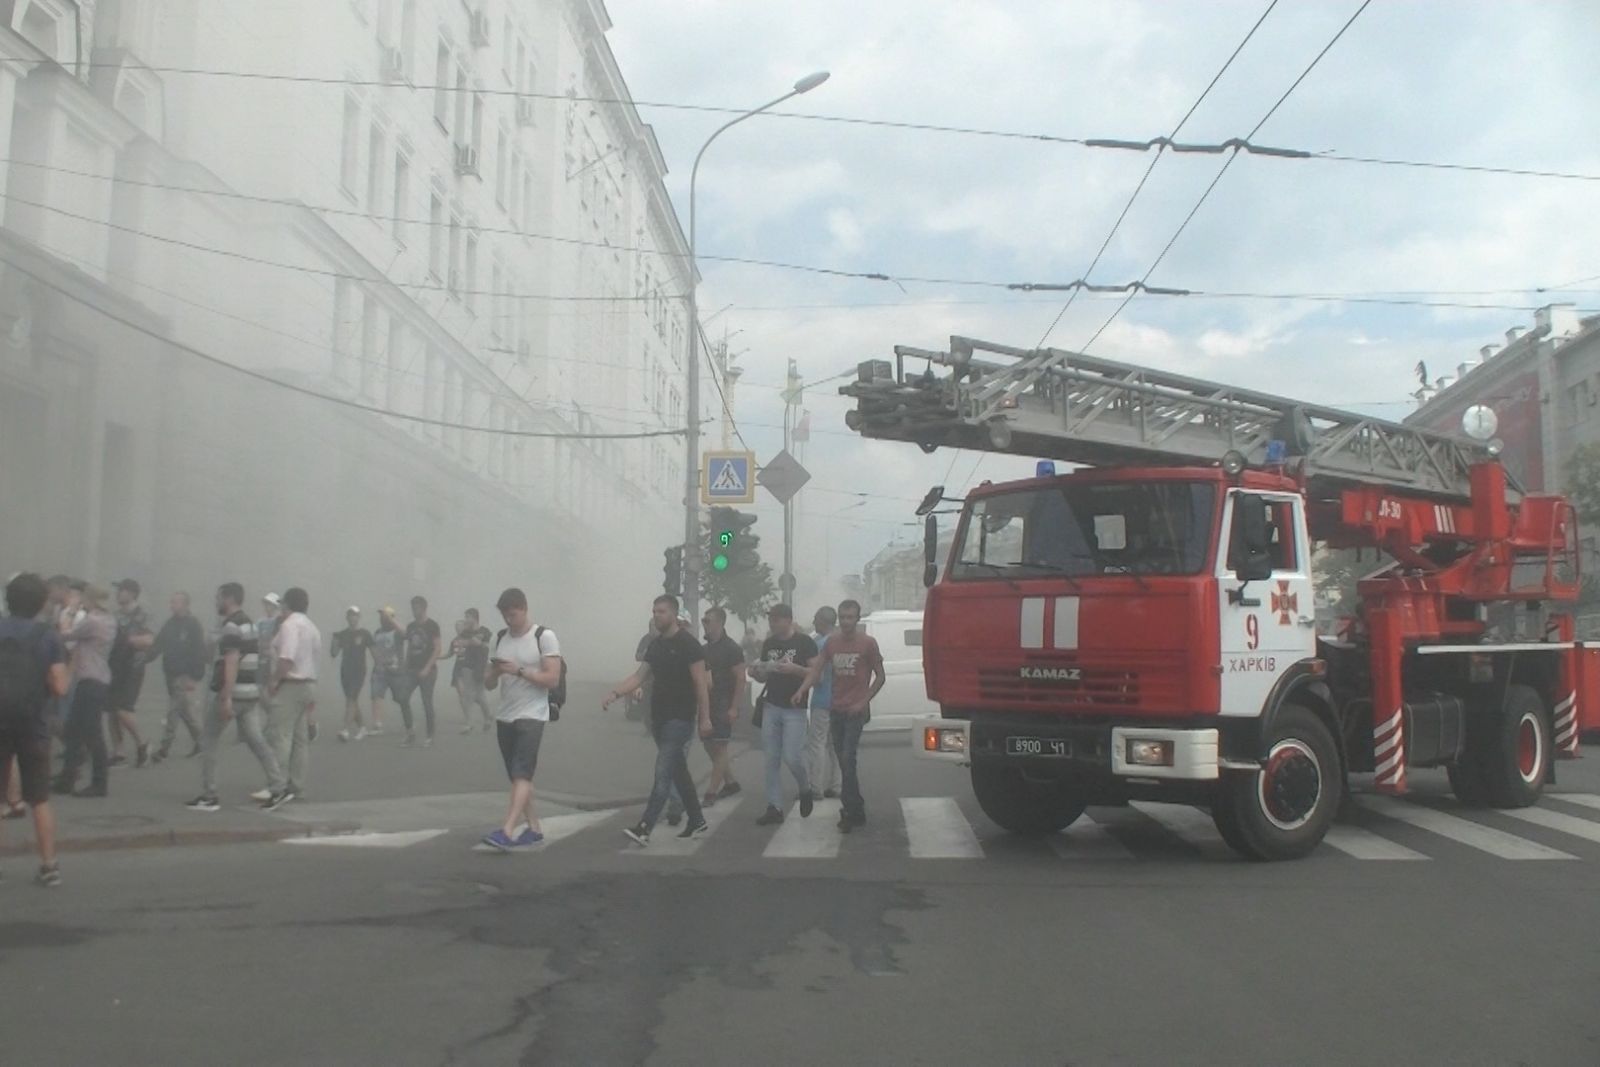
[810, 81]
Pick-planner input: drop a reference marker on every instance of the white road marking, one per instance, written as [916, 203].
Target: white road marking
[1587, 800]
[937, 829]
[1088, 840]
[1190, 824]
[664, 839]
[1558, 821]
[403, 839]
[816, 838]
[1366, 845]
[1463, 831]
[555, 828]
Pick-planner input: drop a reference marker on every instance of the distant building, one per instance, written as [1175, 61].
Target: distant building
[1544, 387]
[452, 215]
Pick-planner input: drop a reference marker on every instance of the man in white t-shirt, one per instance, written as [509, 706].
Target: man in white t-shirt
[524, 665]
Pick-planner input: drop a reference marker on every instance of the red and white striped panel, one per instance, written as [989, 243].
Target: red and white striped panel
[1566, 724]
[1389, 754]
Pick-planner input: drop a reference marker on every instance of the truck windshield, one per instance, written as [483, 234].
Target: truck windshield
[1080, 530]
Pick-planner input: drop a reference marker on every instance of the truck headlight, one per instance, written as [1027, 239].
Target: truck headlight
[1149, 753]
[944, 739]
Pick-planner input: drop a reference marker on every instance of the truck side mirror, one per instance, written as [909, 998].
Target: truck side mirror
[1250, 550]
[930, 551]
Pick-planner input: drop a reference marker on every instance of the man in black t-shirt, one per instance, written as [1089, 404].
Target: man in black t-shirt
[419, 668]
[471, 652]
[725, 664]
[680, 698]
[786, 656]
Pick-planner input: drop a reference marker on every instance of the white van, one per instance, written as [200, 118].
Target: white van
[904, 696]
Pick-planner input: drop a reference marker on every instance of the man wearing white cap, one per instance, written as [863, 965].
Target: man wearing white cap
[350, 647]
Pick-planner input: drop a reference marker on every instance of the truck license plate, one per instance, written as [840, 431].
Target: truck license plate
[1037, 746]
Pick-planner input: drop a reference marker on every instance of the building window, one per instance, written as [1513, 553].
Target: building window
[344, 326]
[527, 200]
[441, 87]
[350, 149]
[408, 33]
[471, 290]
[369, 347]
[455, 256]
[496, 299]
[436, 237]
[500, 169]
[397, 369]
[402, 195]
[477, 123]
[462, 132]
[375, 156]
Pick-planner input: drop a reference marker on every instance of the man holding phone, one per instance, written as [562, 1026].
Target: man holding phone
[524, 666]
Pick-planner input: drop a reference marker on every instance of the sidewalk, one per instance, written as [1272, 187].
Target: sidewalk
[590, 760]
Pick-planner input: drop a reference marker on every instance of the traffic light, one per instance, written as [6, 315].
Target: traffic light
[672, 571]
[731, 548]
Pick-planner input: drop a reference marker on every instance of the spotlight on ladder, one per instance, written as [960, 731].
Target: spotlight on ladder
[1233, 463]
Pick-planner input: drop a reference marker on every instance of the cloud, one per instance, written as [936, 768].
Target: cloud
[1429, 80]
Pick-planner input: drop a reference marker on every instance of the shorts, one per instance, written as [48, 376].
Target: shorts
[519, 746]
[721, 728]
[351, 684]
[29, 743]
[381, 684]
[125, 687]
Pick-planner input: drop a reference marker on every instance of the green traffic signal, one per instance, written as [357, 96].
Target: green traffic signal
[726, 538]
[719, 562]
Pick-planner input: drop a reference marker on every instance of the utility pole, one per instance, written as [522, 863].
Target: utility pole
[791, 404]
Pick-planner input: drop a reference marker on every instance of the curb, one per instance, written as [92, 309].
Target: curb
[174, 838]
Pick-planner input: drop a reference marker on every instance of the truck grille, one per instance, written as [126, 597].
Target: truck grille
[1102, 687]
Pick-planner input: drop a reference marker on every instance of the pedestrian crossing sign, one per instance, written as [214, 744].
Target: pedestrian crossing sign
[728, 478]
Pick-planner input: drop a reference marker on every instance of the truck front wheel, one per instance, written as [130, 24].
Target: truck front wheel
[1022, 807]
[1283, 810]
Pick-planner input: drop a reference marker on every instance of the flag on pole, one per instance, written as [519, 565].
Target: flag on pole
[1421, 370]
[802, 429]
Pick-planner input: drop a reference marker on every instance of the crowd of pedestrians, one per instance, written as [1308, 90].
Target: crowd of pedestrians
[73, 662]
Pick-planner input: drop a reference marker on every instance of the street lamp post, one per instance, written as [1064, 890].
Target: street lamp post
[691, 496]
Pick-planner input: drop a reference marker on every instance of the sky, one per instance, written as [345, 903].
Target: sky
[1502, 85]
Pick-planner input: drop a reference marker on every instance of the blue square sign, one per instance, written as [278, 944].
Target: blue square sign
[728, 478]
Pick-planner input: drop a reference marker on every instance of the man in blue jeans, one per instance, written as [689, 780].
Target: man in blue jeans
[680, 700]
[786, 656]
[858, 675]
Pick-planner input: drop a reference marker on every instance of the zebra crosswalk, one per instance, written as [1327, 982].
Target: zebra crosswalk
[950, 829]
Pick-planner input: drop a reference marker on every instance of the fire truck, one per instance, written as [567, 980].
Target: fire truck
[1143, 625]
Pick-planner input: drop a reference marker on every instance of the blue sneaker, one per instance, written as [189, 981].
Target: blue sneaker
[528, 838]
[498, 839]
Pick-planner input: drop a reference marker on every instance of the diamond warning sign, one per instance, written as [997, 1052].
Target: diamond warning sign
[726, 478]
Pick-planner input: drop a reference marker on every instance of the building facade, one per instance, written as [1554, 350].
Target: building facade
[269, 272]
[1543, 385]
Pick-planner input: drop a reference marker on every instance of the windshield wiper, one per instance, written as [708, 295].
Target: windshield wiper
[1054, 570]
[999, 571]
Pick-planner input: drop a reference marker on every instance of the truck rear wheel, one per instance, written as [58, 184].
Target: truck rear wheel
[1283, 810]
[1023, 807]
[1517, 758]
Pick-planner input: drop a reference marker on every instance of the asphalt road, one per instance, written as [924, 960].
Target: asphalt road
[1436, 935]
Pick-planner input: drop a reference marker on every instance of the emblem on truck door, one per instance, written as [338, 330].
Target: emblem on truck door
[1285, 603]
[1051, 674]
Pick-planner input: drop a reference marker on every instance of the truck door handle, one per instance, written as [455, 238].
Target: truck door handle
[1306, 622]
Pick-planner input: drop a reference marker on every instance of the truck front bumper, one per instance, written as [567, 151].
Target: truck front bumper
[1118, 752]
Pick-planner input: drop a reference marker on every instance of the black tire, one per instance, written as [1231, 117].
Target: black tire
[1283, 810]
[1467, 780]
[1517, 758]
[1022, 807]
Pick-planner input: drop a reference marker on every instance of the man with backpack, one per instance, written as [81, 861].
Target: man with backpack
[33, 669]
[526, 667]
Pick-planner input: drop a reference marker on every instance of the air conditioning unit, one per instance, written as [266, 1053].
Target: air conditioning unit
[466, 160]
[525, 351]
[524, 111]
[455, 280]
[394, 65]
[480, 29]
